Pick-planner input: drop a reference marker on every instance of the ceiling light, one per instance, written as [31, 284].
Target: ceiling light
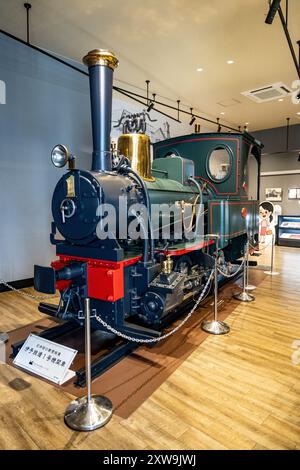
[193, 119]
[280, 99]
[229, 62]
[222, 113]
[298, 113]
[247, 123]
[274, 6]
[151, 106]
[200, 69]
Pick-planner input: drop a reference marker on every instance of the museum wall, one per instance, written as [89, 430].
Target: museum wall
[274, 140]
[43, 103]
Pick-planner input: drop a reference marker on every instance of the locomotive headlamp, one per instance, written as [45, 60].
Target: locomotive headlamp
[60, 156]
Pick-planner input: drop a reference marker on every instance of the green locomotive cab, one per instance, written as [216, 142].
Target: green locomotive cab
[227, 165]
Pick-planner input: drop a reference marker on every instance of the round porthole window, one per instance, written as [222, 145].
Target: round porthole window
[219, 163]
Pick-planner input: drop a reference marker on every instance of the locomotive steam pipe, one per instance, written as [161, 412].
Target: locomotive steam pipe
[101, 64]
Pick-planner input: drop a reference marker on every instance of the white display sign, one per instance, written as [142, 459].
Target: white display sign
[46, 359]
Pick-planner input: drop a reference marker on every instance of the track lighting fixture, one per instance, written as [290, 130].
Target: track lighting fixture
[193, 117]
[197, 128]
[272, 11]
[151, 106]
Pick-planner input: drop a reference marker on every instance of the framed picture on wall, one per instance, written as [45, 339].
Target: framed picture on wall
[273, 194]
[294, 193]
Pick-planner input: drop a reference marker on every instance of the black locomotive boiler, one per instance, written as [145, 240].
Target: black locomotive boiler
[138, 285]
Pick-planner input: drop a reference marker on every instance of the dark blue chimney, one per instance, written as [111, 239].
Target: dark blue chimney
[101, 64]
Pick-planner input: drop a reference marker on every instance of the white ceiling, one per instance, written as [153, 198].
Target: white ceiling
[165, 41]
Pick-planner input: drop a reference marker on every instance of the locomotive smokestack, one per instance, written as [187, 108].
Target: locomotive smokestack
[101, 64]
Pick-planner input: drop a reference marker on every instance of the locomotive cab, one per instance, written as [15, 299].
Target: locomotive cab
[228, 166]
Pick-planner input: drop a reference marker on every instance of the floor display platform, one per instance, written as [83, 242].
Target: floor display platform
[130, 382]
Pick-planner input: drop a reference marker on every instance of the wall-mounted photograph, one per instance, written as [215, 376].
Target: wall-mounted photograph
[274, 194]
[294, 193]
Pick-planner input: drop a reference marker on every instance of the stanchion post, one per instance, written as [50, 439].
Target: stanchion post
[3, 340]
[93, 411]
[215, 327]
[244, 296]
[271, 272]
[248, 286]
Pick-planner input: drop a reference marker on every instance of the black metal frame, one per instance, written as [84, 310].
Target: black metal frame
[274, 7]
[103, 363]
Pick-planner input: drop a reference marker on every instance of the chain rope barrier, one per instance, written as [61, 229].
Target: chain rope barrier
[229, 276]
[156, 340]
[108, 327]
[26, 294]
[260, 249]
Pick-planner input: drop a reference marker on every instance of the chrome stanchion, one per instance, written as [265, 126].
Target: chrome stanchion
[93, 411]
[248, 286]
[3, 340]
[3, 337]
[245, 296]
[271, 272]
[215, 327]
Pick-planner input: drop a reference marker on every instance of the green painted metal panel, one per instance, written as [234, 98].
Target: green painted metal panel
[225, 218]
[164, 190]
[175, 168]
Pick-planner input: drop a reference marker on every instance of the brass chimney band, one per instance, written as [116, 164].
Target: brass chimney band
[101, 57]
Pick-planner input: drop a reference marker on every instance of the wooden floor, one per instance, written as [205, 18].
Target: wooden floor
[240, 391]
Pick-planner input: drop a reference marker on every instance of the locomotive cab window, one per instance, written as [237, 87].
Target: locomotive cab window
[219, 163]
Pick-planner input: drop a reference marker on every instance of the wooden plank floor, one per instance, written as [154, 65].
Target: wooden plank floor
[239, 391]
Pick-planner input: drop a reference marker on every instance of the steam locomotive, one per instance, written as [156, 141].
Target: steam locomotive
[138, 285]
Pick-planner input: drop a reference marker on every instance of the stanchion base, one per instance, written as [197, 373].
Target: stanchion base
[250, 287]
[3, 337]
[272, 273]
[215, 327]
[244, 297]
[83, 416]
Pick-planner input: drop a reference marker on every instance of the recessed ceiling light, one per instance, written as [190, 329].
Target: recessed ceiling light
[246, 123]
[199, 69]
[222, 113]
[230, 61]
[280, 99]
[298, 113]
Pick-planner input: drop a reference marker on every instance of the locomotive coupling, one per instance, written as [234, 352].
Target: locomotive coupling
[45, 278]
